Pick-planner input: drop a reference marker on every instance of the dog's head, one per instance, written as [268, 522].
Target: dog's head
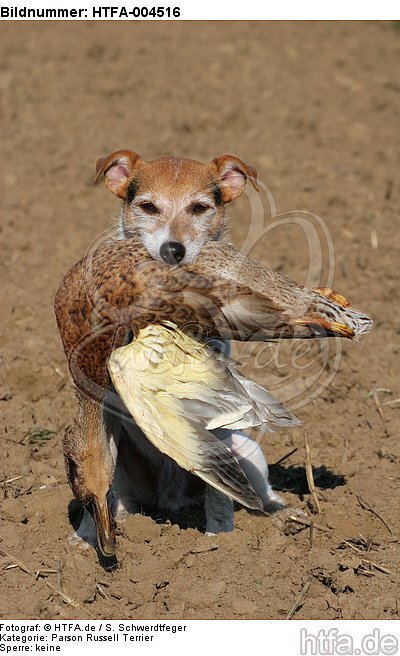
[174, 204]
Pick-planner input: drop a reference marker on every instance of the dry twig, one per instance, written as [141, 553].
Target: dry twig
[15, 563]
[311, 534]
[309, 473]
[394, 402]
[43, 573]
[300, 598]
[278, 462]
[101, 591]
[374, 393]
[380, 568]
[59, 578]
[11, 480]
[374, 238]
[325, 529]
[367, 506]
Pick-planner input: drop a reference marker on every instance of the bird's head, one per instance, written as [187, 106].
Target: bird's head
[90, 478]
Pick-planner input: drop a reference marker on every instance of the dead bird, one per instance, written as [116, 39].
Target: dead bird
[118, 290]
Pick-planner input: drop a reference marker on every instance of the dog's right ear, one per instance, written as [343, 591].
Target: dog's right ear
[117, 169]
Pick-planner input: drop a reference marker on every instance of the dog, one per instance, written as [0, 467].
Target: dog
[174, 205]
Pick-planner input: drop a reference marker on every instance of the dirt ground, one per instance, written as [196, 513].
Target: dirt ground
[315, 107]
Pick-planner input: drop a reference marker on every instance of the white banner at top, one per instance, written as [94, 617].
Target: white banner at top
[136, 10]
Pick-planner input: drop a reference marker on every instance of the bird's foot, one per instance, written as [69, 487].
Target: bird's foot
[332, 295]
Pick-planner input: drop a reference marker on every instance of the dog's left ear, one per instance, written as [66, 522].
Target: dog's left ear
[117, 169]
[232, 174]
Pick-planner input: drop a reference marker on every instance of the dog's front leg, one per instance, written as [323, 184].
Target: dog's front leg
[219, 512]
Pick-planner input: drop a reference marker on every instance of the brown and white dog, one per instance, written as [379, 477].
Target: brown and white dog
[174, 205]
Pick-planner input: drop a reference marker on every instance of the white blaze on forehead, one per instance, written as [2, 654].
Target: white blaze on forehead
[177, 165]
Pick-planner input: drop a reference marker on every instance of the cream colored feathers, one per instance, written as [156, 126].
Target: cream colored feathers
[178, 390]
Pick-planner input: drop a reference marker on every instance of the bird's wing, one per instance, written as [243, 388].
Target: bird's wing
[163, 419]
[211, 389]
[232, 401]
[264, 411]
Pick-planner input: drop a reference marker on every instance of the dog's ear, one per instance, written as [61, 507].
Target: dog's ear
[232, 174]
[117, 169]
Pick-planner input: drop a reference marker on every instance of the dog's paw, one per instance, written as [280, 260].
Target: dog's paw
[285, 520]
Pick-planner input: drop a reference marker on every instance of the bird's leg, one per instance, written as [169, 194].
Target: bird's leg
[90, 467]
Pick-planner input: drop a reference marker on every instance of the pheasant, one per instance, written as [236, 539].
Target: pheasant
[113, 294]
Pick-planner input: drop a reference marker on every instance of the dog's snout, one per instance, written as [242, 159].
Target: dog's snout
[172, 252]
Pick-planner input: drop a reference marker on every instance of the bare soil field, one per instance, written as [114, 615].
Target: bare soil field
[315, 107]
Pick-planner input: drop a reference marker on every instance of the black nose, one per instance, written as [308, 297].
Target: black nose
[172, 252]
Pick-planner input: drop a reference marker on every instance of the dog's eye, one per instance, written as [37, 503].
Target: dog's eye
[150, 208]
[199, 208]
